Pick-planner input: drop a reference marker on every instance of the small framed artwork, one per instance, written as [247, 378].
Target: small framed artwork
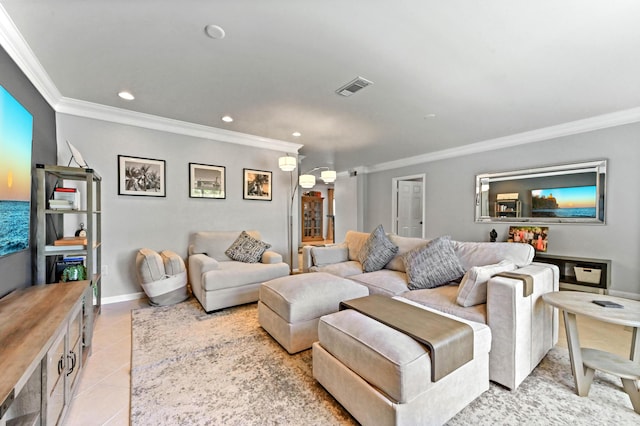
[257, 185]
[537, 236]
[206, 181]
[141, 176]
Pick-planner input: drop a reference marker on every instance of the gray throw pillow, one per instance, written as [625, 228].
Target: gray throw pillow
[377, 251]
[247, 249]
[432, 265]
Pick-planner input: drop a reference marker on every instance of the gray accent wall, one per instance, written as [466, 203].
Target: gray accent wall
[450, 189]
[134, 222]
[16, 269]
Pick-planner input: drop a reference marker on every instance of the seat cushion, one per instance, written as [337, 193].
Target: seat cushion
[384, 282]
[443, 299]
[302, 297]
[233, 274]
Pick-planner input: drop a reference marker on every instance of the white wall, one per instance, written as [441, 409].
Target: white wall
[349, 196]
[133, 222]
[450, 187]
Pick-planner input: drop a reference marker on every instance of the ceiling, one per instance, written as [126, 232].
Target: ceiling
[446, 73]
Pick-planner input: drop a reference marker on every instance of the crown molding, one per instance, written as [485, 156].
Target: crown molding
[603, 121]
[154, 122]
[18, 49]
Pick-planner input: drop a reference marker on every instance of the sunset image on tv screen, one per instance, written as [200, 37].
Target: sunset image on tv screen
[16, 131]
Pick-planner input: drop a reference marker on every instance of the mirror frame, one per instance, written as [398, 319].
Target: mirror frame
[483, 185]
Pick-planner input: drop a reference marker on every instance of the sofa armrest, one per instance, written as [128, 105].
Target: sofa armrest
[271, 257]
[202, 263]
[307, 260]
[523, 328]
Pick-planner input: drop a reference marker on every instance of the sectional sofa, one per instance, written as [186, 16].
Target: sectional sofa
[523, 327]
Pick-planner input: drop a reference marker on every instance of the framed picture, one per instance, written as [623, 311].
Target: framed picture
[257, 185]
[537, 236]
[141, 176]
[206, 181]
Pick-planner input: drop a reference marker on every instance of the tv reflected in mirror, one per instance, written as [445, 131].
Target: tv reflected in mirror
[16, 135]
[566, 193]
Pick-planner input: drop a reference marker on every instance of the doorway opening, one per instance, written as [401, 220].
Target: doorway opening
[408, 206]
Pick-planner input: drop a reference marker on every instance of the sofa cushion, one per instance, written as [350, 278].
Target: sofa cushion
[247, 249]
[443, 299]
[433, 265]
[473, 287]
[215, 243]
[377, 251]
[355, 241]
[404, 245]
[479, 254]
[232, 274]
[342, 269]
[328, 255]
[385, 282]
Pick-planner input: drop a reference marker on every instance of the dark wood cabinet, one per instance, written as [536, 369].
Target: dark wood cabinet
[311, 219]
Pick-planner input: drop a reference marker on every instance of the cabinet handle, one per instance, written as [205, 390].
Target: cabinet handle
[72, 357]
[60, 364]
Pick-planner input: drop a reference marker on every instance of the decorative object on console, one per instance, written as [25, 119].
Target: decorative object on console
[257, 185]
[207, 181]
[536, 236]
[247, 249]
[493, 235]
[141, 176]
[377, 251]
[432, 265]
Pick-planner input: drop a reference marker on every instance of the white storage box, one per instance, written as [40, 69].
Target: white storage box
[587, 275]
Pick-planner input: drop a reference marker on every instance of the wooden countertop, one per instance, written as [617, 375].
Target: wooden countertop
[29, 321]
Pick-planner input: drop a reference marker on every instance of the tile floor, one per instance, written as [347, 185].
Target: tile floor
[102, 397]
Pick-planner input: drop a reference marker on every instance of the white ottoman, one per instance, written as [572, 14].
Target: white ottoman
[383, 377]
[290, 307]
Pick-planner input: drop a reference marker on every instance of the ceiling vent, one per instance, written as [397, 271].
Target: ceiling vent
[353, 86]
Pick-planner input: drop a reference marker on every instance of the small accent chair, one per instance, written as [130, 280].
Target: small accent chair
[163, 276]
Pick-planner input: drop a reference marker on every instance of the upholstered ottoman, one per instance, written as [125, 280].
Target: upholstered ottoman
[383, 377]
[290, 307]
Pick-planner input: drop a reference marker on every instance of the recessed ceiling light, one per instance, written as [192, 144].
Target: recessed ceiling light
[126, 95]
[296, 134]
[214, 31]
[431, 115]
[227, 119]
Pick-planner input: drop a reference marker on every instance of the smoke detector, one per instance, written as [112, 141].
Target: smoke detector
[353, 86]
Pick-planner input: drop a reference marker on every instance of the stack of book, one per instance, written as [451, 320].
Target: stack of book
[65, 199]
[71, 243]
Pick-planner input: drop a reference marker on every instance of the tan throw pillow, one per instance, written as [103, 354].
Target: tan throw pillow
[432, 265]
[473, 287]
[247, 249]
[377, 251]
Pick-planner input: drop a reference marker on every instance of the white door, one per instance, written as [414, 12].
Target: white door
[410, 208]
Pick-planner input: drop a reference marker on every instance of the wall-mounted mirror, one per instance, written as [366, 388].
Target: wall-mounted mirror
[569, 193]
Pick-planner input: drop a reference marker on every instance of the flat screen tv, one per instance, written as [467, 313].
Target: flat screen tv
[16, 135]
[569, 202]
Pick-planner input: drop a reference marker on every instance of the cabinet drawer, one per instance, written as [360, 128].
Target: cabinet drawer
[74, 360]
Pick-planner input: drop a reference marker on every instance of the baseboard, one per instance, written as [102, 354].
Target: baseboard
[123, 298]
[625, 294]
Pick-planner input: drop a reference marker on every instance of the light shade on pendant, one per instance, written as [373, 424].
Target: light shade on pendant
[287, 163]
[328, 176]
[307, 181]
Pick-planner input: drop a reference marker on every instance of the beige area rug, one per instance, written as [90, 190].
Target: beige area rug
[189, 368]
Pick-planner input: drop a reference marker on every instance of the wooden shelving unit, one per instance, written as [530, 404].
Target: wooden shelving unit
[90, 213]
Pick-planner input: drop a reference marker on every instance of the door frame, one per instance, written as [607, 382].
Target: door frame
[394, 199]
